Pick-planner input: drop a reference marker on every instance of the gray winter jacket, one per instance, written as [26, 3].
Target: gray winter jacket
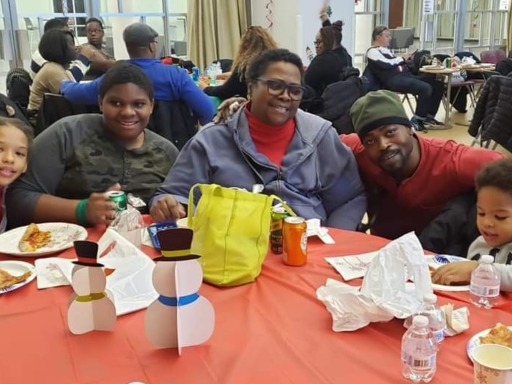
[318, 177]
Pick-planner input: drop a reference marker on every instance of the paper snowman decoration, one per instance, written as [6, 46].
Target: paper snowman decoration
[90, 308]
[180, 317]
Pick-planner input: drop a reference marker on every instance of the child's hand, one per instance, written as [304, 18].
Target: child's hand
[454, 273]
[100, 210]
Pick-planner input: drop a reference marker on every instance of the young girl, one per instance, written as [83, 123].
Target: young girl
[494, 222]
[15, 140]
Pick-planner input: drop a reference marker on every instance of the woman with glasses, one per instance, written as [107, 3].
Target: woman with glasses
[271, 142]
[327, 66]
[102, 60]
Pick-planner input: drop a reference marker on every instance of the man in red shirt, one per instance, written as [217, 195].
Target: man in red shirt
[408, 178]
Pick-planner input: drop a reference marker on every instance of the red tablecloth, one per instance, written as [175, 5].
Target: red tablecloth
[270, 331]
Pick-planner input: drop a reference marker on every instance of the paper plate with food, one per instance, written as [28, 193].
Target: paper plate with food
[500, 334]
[436, 261]
[15, 274]
[36, 240]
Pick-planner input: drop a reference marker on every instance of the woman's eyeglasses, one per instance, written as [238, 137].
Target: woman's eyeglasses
[317, 42]
[277, 87]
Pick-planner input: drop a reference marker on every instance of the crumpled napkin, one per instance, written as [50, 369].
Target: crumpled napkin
[457, 321]
[314, 228]
[384, 293]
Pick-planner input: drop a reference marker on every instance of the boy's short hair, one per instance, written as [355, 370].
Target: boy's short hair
[23, 127]
[497, 174]
[123, 72]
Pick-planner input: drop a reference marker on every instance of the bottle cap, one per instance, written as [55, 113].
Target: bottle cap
[420, 321]
[430, 298]
[486, 259]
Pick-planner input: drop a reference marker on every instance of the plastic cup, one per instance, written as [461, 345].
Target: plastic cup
[492, 364]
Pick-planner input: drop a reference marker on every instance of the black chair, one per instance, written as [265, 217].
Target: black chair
[174, 121]
[225, 64]
[54, 107]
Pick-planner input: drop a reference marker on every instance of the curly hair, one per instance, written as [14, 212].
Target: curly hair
[260, 64]
[496, 174]
[253, 43]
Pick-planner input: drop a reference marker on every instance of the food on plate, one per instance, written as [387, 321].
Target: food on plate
[34, 238]
[500, 334]
[6, 279]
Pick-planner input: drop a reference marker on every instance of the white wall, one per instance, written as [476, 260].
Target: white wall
[296, 22]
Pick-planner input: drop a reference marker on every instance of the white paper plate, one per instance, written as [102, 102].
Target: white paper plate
[435, 261]
[17, 268]
[63, 235]
[433, 67]
[475, 341]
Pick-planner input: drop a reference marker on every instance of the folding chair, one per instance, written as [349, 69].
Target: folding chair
[53, 108]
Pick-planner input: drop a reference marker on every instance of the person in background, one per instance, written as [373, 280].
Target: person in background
[77, 67]
[253, 43]
[58, 49]
[270, 141]
[337, 30]
[494, 222]
[392, 72]
[326, 68]
[170, 83]
[408, 178]
[95, 33]
[78, 158]
[15, 140]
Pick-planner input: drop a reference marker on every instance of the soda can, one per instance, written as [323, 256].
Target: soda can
[276, 229]
[118, 197]
[295, 241]
[195, 74]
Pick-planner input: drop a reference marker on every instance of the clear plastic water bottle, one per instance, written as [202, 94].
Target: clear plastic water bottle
[436, 319]
[484, 288]
[419, 351]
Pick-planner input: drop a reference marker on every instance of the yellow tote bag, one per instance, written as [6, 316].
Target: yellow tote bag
[231, 232]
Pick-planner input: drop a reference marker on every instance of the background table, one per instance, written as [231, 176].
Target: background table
[271, 331]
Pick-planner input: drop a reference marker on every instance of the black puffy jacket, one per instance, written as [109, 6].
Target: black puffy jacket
[493, 112]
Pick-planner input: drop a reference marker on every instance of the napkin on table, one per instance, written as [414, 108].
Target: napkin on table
[384, 293]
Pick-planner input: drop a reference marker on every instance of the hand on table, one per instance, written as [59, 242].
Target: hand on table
[454, 273]
[227, 108]
[202, 83]
[166, 208]
[100, 210]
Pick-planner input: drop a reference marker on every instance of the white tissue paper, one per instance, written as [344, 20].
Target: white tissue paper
[385, 292]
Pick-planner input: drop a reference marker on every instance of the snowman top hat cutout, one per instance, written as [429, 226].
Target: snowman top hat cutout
[87, 252]
[175, 244]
